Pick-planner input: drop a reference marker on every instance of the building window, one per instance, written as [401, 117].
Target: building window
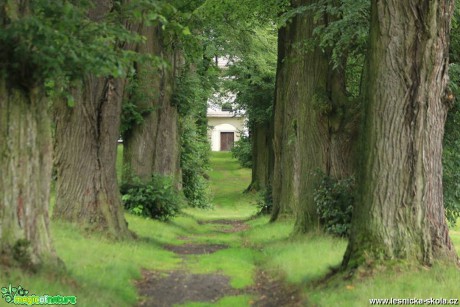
[227, 107]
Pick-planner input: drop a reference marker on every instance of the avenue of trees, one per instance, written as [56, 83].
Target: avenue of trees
[353, 91]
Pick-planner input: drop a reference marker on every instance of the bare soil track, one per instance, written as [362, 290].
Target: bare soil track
[165, 289]
[195, 249]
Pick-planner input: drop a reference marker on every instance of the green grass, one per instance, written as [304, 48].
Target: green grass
[436, 282]
[237, 263]
[108, 265]
[228, 181]
[101, 272]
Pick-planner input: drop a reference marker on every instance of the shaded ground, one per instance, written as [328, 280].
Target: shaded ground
[180, 287]
[195, 249]
[232, 225]
[177, 287]
[273, 293]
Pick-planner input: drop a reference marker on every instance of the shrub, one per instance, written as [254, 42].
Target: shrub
[193, 89]
[156, 199]
[195, 151]
[334, 204]
[264, 202]
[451, 151]
[242, 151]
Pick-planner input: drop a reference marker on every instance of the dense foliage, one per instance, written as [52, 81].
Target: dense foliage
[132, 114]
[192, 92]
[334, 203]
[451, 153]
[265, 202]
[242, 151]
[155, 199]
[57, 43]
[194, 163]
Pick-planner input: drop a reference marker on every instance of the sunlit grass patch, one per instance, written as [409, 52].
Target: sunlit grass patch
[100, 272]
[160, 232]
[236, 263]
[167, 232]
[298, 259]
[306, 259]
[228, 182]
[263, 232]
[413, 282]
[455, 236]
[239, 212]
[54, 283]
[108, 266]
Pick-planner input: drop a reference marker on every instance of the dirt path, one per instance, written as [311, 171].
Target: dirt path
[164, 289]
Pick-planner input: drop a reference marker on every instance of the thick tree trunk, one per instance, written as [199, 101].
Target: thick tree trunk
[261, 146]
[25, 177]
[154, 145]
[86, 147]
[276, 175]
[86, 137]
[399, 212]
[312, 127]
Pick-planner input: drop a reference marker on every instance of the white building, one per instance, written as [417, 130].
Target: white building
[224, 125]
[224, 128]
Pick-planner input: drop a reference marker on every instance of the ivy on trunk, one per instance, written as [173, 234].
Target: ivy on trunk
[314, 121]
[153, 144]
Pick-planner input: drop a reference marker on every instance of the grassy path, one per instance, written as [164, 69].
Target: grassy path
[219, 258]
[219, 265]
[253, 257]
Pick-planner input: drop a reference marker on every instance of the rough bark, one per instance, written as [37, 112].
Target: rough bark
[25, 176]
[86, 146]
[153, 146]
[25, 159]
[313, 129]
[261, 146]
[399, 212]
[276, 175]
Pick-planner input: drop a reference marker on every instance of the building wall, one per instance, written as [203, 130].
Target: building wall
[223, 124]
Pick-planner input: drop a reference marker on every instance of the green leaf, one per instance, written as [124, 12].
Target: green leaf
[70, 100]
[186, 31]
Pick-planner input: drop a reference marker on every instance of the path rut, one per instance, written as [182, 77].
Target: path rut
[165, 289]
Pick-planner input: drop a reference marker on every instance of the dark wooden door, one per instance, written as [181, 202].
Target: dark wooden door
[226, 140]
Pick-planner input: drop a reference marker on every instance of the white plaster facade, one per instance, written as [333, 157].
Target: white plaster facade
[223, 121]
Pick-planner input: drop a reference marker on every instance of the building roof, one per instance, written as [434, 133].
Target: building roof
[216, 111]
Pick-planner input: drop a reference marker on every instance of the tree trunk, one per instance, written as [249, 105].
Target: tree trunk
[86, 147]
[312, 126]
[399, 212]
[25, 177]
[153, 146]
[261, 145]
[86, 137]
